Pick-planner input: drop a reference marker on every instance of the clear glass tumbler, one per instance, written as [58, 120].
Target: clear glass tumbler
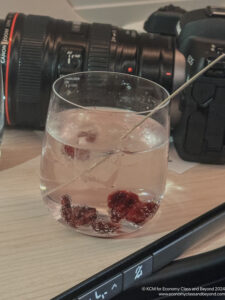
[94, 179]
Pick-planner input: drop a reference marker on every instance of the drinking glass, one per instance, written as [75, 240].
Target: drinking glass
[94, 177]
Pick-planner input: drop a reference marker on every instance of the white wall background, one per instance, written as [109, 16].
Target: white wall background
[60, 9]
[123, 12]
[117, 12]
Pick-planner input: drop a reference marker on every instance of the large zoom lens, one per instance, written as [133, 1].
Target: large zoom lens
[35, 50]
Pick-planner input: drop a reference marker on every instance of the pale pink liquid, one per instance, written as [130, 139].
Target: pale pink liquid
[138, 164]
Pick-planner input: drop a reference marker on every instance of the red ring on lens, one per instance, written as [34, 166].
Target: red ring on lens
[7, 68]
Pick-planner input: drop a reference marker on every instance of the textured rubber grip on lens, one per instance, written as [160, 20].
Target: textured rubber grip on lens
[29, 76]
[99, 47]
[31, 55]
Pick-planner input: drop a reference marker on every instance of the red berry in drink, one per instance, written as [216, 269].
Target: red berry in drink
[66, 201]
[120, 203]
[90, 136]
[78, 215]
[141, 211]
[82, 215]
[69, 151]
[102, 226]
[126, 205]
[80, 154]
[150, 208]
[66, 210]
[116, 198]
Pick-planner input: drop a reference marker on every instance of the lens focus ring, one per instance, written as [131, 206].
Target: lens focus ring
[30, 65]
[99, 47]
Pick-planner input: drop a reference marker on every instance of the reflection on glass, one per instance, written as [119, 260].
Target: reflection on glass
[91, 179]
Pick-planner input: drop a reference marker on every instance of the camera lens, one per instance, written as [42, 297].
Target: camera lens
[35, 50]
[29, 58]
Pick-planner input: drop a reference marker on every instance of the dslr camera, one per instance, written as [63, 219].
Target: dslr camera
[36, 50]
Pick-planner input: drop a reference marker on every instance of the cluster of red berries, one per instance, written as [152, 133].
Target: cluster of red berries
[80, 154]
[83, 215]
[122, 204]
[127, 205]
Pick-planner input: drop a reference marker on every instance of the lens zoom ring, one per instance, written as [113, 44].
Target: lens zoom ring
[31, 55]
[99, 47]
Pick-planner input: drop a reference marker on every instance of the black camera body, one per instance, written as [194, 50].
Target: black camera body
[199, 135]
[35, 50]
